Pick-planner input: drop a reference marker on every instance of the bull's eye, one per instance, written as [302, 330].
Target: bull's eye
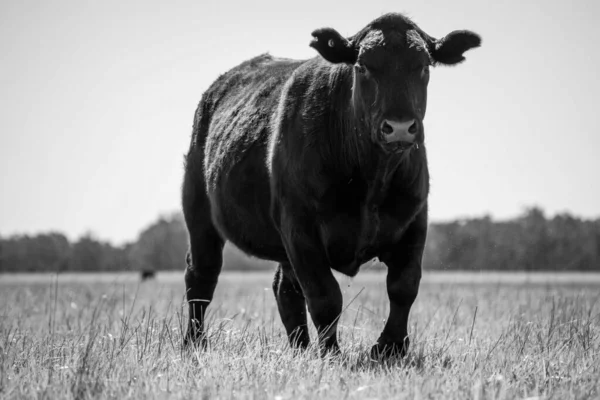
[361, 69]
[425, 71]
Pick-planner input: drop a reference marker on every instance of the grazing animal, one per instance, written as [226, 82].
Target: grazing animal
[147, 274]
[318, 164]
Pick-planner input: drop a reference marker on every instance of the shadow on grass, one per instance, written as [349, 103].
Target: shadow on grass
[417, 361]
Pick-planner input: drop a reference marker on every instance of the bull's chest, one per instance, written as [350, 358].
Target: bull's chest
[353, 239]
[362, 232]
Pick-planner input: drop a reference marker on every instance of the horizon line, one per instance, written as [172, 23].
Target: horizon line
[166, 215]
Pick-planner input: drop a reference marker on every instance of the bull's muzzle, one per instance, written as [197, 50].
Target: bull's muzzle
[396, 131]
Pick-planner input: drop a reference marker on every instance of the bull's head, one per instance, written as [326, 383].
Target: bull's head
[391, 58]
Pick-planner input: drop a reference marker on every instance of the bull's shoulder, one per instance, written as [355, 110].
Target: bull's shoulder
[251, 74]
[309, 115]
[239, 107]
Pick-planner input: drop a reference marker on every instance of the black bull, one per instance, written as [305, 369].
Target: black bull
[318, 165]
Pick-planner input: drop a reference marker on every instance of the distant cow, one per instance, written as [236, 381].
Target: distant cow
[147, 274]
[318, 164]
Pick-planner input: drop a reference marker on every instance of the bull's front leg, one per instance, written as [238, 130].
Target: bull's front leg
[321, 290]
[403, 278]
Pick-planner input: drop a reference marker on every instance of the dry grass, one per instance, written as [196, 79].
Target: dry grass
[112, 337]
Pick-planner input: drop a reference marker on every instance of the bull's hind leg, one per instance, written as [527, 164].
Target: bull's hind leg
[310, 265]
[203, 267]
[291, 305]
[205, 255]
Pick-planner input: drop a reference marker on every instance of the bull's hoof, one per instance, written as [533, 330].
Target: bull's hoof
[195, 340]
[331, 349]
[385, 351]
[299, 344]
[299, 339]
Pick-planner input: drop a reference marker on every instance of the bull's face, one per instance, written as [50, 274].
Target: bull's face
[391, 58]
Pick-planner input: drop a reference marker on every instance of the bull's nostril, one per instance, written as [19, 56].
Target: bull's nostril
[386, 128]
[413, 128]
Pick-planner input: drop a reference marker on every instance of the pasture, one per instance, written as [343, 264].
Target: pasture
[478, 336]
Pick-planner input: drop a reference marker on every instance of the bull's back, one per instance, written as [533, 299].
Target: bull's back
[242, 104]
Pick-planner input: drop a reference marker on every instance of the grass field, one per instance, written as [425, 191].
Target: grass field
[498, 336]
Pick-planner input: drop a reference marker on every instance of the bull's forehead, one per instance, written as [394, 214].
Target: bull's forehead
[392, 40]
[384, 46]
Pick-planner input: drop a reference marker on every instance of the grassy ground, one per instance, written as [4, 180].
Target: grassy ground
[108, 336]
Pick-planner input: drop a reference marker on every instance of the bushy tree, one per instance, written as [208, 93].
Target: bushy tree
[161, 246]
[46, 251]
[529, 242]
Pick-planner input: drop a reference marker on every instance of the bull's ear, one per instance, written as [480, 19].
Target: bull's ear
[333, 47]
[449, 49]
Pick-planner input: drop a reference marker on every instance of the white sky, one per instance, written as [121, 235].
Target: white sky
[97, 100]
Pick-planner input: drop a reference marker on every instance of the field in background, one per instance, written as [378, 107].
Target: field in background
[474, 336]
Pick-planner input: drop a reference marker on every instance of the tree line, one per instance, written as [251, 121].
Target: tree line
[531, 241]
